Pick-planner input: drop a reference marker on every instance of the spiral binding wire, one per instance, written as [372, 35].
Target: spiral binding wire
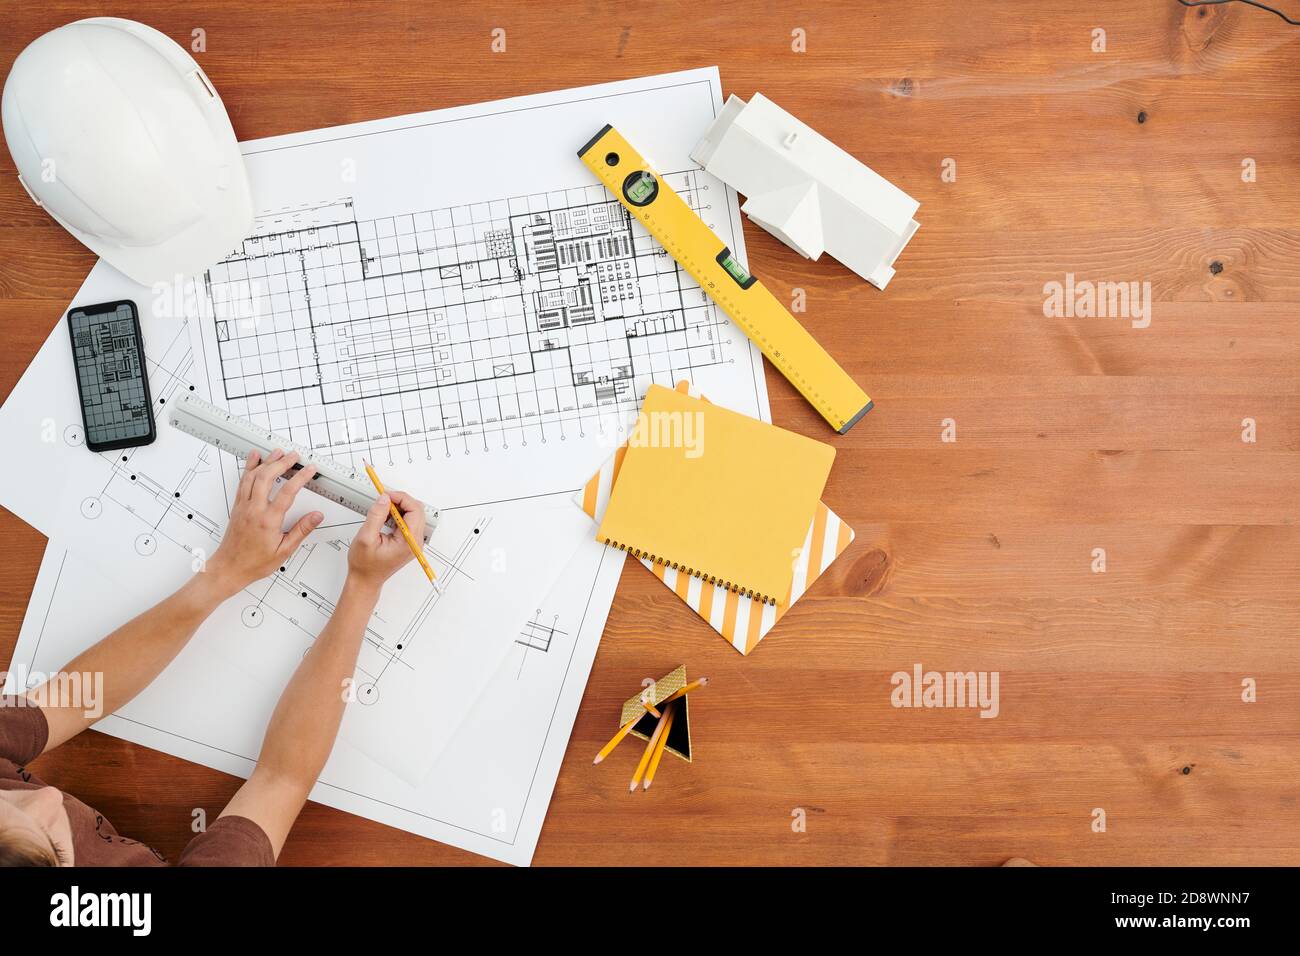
[693, 572]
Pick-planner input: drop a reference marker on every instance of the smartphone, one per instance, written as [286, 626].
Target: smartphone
[108, 352]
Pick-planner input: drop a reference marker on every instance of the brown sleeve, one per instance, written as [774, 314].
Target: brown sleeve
[23, 730]
[231, 841]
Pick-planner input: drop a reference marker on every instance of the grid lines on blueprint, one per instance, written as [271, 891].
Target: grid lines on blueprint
[441, 332]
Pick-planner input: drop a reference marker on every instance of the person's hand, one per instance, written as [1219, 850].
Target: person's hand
[255, 544]
[374, 556]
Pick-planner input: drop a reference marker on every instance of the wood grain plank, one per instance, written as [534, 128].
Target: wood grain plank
[1119, 690]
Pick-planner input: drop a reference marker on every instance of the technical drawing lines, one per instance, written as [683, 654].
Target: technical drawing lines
[306, 579]
[538, 635]
[440, 332]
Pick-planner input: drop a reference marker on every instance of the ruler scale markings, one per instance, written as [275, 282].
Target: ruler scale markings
[334, 480]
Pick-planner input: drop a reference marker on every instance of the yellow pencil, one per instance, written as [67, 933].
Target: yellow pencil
[693, 685]
[671, 712]
[416, 547]
[622, 732]
[649, 752]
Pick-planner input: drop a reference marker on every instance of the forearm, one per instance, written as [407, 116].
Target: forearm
[130, 658]
[306, 720]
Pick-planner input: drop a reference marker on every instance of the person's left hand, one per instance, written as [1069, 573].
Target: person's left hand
[255, 544]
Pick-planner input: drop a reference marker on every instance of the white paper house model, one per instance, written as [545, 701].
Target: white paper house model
[805, 190]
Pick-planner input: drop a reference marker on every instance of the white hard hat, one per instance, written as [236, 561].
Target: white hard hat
[121, 137]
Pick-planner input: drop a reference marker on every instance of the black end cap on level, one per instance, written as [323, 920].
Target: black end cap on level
[592, 142]
[856, 418]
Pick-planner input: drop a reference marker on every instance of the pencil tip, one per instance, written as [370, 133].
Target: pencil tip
[631, 787]
[703, 681]
[646, 785]
[598, 759]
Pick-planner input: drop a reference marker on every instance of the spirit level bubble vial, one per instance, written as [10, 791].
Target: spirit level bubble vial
[686, 237]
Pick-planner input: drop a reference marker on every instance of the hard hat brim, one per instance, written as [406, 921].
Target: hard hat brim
[188, 253]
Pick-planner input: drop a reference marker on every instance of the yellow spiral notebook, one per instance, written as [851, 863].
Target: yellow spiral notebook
[716, 495]
[741, 621]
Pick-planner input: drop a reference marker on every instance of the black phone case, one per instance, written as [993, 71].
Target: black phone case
[81, 391]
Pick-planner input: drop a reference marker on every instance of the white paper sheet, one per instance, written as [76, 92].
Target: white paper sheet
[489, 438]
[487, 792]
[149, 516]
[144, 514]
[456, 297]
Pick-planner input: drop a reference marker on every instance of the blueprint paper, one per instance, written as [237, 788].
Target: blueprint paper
[455, 296]
[143, 513]
[435, 649]
[604, 313]
[208, 709]
[150, 515]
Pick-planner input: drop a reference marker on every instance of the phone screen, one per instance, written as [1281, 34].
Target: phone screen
[109, 358]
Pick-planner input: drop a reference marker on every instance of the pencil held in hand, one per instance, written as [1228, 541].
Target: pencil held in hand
[416, 547]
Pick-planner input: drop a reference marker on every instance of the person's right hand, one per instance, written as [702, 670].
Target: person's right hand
[374, 556]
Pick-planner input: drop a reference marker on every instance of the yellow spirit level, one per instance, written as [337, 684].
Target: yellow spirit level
[677, 227]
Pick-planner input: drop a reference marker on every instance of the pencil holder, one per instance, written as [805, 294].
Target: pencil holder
[679, 735]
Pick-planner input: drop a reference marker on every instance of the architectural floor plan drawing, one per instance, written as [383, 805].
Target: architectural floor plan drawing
[444, 332]
[450, 296]
[150, 516]
[428, 652]
[303, 593]
[455, 297]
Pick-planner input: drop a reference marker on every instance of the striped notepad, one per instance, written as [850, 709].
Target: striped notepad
[741, 620]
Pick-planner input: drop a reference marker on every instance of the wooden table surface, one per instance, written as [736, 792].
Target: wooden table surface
[1119, 690]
